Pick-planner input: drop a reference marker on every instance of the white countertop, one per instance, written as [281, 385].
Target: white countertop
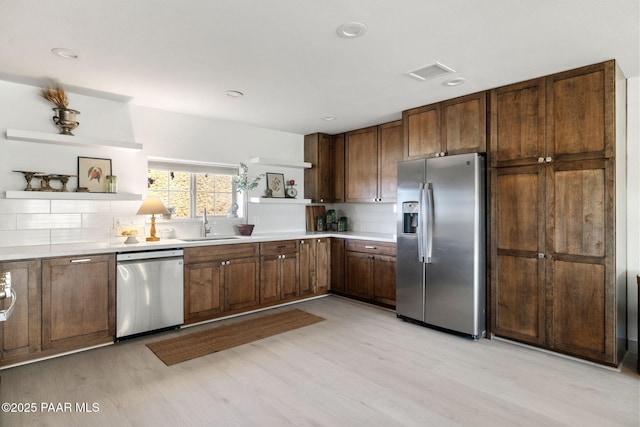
[78, 249]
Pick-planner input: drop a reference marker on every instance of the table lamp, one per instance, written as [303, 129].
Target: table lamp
[152, 206]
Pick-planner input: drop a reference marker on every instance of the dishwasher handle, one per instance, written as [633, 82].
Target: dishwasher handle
[133, 256]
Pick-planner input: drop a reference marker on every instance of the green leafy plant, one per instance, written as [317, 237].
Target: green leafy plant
[243, 185]
[242, 180]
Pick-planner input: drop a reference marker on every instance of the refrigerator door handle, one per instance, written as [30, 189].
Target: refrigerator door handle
[421, 228]
[421, 223]
[429, 231]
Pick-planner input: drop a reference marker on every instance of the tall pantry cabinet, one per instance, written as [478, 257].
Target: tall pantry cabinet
[557, 236]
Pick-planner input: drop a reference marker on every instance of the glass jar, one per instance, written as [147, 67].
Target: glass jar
[112, 184]
[331, 216]
[342, 223]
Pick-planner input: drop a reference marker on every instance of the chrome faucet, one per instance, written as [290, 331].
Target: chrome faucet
[205, 230]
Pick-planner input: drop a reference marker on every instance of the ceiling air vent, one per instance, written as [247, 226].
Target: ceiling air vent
[430, 71]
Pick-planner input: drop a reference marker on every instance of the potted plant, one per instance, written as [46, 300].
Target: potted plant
[243, 185]
[65, 117]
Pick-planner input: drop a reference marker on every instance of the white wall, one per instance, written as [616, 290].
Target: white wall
[178, 136]
[163, 134]
[633, 208]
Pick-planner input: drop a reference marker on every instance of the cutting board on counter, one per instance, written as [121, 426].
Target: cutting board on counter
[311, 212]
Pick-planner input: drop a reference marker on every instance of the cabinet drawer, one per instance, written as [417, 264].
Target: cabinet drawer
[220, 252]
[381, 248]
[278, 247]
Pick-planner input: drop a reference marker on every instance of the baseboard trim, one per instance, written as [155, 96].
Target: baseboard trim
[561, 355]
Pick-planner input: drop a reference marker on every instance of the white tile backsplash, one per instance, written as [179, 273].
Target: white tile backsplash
[80, 235]
[25, 238]
[367, 217]
[38, 222]
[41, 221]
[8, 221]
[92, 220]
[84, 206]
[24, 206]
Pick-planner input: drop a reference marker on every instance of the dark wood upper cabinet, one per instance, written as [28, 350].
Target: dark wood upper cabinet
[390, 147]
[517, 123]
[324, 181]
[338, 168]
[317, 179]
[422, 132]
[563, 117]
[455, 126]
[371, 162]
[464, 124]
[361, 165]
[580, 113]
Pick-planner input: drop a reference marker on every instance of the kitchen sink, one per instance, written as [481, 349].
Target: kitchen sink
[204, 239]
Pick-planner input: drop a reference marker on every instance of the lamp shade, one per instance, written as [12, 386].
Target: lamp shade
[151, 206]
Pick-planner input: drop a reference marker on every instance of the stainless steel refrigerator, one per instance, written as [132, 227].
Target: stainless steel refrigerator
[440, 279]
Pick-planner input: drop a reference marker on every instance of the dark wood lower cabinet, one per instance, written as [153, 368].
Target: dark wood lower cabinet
[204, 289]
[242, 290]
[322, 265]
[20, 334]
[307, 271]
[78, 301]
[220, 278]
[278, 271]
[370, 271]
[337, 266]
[553, 278]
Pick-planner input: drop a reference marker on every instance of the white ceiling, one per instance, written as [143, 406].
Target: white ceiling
[182, 55]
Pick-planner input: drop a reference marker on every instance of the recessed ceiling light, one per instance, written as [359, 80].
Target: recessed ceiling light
[329, 118]
[234, 93]
[454, 82]
[351, 30]
[65, 53]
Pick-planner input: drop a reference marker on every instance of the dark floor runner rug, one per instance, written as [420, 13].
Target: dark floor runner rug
[197, 344]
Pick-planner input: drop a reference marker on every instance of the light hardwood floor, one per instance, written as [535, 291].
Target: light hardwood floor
[360, 367]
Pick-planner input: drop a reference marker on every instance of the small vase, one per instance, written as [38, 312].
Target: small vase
[245, 229]
[65, 119]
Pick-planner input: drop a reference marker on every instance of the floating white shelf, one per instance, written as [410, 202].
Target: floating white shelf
[279, 162]
[75, 141]
[279, 200]
[70, 195]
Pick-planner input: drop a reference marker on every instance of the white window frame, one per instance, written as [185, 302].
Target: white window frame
[195, 167]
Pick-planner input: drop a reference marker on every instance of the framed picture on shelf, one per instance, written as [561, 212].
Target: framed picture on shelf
[92, 173]
[275, 183]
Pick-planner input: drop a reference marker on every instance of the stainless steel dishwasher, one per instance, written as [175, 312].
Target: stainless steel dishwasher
[149, 291]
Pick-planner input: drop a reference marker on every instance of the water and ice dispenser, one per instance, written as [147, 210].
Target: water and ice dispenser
[410, 217]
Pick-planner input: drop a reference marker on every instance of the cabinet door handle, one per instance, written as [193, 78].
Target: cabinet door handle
[548, 159]
[283, 256]
[540, 255]
[540, 159]
[369, 247]
[319, 241]
[81, 260]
